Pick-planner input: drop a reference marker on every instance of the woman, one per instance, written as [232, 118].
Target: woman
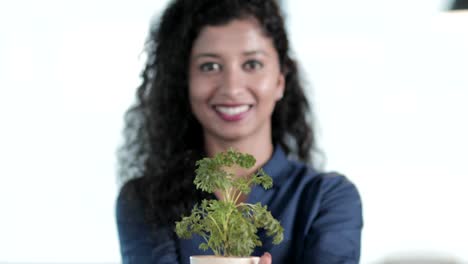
[218, 75]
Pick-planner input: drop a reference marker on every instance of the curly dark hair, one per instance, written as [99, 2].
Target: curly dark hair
[163, 139]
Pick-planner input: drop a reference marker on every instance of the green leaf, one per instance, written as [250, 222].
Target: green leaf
[261, 178]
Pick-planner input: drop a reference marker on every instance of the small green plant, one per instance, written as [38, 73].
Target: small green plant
[229, 227]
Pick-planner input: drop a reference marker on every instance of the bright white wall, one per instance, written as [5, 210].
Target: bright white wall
[68, 70]
[388, 89]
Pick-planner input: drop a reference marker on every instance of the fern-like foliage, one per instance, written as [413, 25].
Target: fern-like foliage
[229, 228]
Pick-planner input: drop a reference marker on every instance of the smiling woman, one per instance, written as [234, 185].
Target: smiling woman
[219, 75]
[235, 81]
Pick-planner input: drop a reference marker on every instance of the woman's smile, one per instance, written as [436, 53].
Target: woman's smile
[231, 113]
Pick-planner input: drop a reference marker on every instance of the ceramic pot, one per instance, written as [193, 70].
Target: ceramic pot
[223, 260]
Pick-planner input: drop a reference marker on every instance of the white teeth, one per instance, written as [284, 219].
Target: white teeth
[232, 110]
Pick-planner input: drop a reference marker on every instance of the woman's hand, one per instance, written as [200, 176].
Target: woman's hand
[265, 259]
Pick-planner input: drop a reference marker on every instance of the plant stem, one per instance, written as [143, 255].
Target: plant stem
[216, 224]
[237, 197]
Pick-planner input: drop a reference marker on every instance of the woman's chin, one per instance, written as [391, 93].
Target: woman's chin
[230, 135]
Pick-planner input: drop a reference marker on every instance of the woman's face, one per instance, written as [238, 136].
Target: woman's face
[235, 81]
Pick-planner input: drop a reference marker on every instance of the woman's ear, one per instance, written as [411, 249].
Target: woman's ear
[280, 86]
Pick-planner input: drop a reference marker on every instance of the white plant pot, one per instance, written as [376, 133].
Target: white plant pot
[223, 260]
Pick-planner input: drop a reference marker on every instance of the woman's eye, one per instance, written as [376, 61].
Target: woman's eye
[253, 65]
[210, 66]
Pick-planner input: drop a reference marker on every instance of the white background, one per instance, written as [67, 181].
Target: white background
[388, 81]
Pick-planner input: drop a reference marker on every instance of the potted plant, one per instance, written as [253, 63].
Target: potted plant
[228, 226]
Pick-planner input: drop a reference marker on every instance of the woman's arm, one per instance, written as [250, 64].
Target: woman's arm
[335, 233]
[139, 244]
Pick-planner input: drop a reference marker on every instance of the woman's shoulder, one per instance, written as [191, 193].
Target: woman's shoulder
[141, 242]
[327, 181]
[129, 204]
[329, 205]
[333, 181]
[337, 191]
[310, 183]
[322, 189]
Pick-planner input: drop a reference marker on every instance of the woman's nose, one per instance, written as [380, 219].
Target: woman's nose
[233, 81]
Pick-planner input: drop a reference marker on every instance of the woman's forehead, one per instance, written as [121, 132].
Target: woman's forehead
[243, 35]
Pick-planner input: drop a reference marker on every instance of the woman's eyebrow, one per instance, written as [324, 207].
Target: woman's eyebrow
[255, 52]
[209, 55]
[245, 53]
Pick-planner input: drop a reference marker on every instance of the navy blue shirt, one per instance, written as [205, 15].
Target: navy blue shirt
[321, 215]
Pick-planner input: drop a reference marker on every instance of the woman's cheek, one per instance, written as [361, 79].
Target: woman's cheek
[264, 86]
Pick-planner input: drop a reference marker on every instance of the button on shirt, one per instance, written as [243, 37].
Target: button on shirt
[321, 215]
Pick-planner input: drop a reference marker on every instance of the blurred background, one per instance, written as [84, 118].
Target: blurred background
[388, 81]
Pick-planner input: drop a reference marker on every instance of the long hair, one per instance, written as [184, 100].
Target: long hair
[163, 139]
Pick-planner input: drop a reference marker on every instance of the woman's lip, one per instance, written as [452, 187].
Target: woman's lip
[231, 104]
[231, 117]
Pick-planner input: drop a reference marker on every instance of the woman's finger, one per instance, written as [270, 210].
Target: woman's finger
[265, 259]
